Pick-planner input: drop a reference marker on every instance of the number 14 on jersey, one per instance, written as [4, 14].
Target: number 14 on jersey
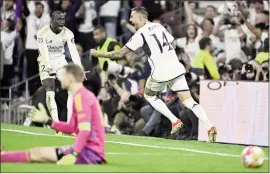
[164, 42]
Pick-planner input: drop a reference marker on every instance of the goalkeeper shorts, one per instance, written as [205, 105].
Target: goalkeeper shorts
[87, 156]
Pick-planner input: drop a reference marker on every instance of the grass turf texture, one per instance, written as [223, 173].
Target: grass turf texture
[131, 158]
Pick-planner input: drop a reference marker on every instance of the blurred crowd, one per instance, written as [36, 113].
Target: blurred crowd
[229, 41]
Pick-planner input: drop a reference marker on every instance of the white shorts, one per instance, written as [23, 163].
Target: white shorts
[177, 85]
[56, 66]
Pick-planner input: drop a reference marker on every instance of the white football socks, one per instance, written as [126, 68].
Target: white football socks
[51, 104]
[198, 111]
[161, 107]
[69, 106]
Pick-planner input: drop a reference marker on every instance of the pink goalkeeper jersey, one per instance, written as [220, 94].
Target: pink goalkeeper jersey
[86, 110]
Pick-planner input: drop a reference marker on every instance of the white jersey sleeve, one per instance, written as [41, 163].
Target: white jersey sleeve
[42, 45]
[135, 42]
[72, 48]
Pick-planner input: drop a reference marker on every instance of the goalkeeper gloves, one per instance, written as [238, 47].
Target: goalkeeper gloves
[40, 115]
[68, 159]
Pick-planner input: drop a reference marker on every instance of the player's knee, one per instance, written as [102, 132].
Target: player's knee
[151, 99]
[36, 155]
[48, 84]
[149, 93]
[184, 95]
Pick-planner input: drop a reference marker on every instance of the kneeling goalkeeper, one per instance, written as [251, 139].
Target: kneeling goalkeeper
[86, 122]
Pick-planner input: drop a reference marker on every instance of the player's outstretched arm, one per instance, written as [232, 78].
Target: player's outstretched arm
[67, 128]
[39, 115]
[113, 54]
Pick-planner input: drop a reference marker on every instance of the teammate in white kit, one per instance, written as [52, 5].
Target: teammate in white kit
[51, 42]
[167, 71]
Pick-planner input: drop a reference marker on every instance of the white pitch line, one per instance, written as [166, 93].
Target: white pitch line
[134, 144]
[145, 153]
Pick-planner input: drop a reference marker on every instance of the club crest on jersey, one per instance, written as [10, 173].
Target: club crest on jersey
[40, 40]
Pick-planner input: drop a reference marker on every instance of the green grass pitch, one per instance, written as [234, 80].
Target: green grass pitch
[130, 153]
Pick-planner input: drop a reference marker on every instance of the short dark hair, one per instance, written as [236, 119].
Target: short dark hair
[76, 71]
[142, 10]
[55, 13]
[99, 27]
[204, 42]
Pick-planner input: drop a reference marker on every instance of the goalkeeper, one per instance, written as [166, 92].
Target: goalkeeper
[86, 122]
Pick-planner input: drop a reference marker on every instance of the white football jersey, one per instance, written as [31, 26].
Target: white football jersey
[156, 42]
[52, 45]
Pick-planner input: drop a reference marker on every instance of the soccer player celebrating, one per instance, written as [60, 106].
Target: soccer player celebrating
[51, 42]
[86, 121]
[156, 41]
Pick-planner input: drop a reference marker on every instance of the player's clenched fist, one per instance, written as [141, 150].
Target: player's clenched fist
[94, 52]
[39, 115]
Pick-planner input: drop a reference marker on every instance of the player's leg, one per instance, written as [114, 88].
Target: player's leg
[152, 88]
[180, 86]
[59, 66]
[39, 154]
[49, 85]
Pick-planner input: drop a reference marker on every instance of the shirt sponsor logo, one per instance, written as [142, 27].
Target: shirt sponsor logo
[54, 49]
